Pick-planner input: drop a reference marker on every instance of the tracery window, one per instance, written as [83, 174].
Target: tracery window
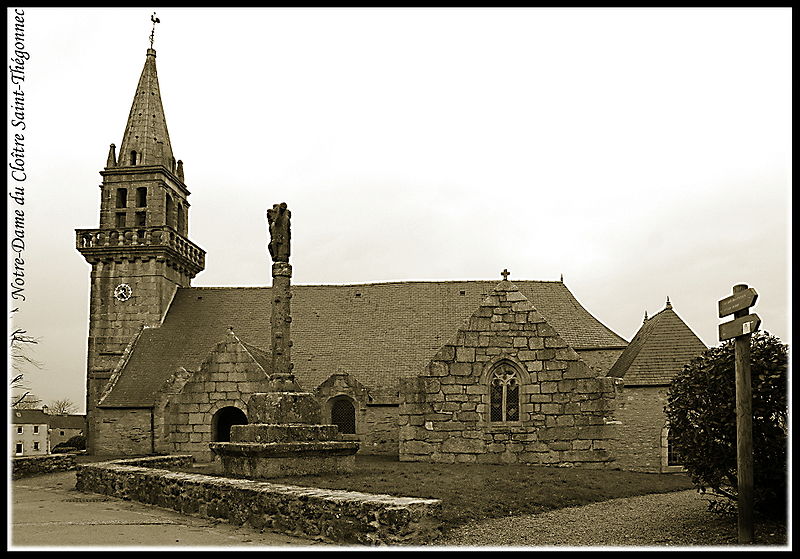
[504, 394]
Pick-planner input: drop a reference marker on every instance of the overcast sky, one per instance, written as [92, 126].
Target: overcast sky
[643, 154]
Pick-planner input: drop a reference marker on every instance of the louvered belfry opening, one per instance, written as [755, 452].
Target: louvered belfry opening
[343, 415]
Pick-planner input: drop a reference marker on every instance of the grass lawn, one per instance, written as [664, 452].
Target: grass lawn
[478, 491]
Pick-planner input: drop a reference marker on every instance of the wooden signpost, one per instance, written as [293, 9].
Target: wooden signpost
[740, 329]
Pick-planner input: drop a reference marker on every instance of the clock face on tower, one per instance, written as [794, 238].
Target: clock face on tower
[123, 292]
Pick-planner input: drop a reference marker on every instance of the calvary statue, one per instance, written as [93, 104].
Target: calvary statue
[279, 232]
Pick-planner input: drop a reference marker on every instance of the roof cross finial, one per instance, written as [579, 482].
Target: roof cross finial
[505, 273]
[155, 20]
[669, 305]
[645, 316]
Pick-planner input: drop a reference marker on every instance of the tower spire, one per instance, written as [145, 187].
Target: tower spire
[146, 139]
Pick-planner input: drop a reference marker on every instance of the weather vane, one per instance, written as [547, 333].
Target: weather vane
[155, 20]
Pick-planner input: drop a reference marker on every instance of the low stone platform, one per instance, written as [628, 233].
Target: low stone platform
[269, 460]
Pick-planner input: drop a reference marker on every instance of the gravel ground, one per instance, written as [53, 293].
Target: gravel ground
[676, 519]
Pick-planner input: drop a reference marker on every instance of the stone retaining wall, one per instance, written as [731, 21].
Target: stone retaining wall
[341, 517]
[25, 466]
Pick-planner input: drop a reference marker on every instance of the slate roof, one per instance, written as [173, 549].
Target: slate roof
[377, 333]
[658, 351]
[146, 129]
[35, 417]
[67, 421]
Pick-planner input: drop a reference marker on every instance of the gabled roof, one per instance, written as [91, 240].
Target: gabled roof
[35, 417]
[377, 332]
[658, 351]
[146, 130]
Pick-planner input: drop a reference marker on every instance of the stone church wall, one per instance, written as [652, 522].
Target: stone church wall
[565, 409]
[381, 431]
[641, 413]
[124, 432]
[376, 424]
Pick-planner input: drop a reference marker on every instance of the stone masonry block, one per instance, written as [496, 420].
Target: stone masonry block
[461, 369]
[554, 343]
[578, 370]
[521, 306]
[465, 355]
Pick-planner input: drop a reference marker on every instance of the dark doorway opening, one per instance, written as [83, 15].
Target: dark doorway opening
[222, 422]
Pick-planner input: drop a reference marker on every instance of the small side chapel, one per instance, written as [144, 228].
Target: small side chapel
[448, 371]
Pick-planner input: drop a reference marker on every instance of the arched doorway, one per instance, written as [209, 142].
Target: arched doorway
[223, 420]
[343, 415]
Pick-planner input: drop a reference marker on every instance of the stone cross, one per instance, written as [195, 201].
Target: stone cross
[505, 273]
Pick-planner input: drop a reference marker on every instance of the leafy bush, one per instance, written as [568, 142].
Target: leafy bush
[78, 442]
[701, 411]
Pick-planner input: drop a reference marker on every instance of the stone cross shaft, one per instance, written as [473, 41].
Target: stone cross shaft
[279, 229]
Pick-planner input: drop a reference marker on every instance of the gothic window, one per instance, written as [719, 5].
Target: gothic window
[141, 196]
[133, 157]
[343, 415]
[122, 197]
[504, 394]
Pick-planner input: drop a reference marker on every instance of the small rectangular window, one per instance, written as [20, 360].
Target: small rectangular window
[35, 429]
[36, 446]
[122, 197]
[20, 430]
[120, 220]
[61, 433]
[141, 219]
[19, 448]
[141, 196]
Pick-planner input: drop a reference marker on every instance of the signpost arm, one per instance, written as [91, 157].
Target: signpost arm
[744, 431]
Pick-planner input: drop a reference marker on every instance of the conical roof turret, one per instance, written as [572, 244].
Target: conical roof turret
[146, 139]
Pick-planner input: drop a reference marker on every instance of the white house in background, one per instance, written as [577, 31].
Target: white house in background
[29, 436]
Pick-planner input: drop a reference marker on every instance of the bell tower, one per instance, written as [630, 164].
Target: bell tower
[140, 253]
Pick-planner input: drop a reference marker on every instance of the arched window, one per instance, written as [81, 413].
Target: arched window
[343, 415]
[222, 422]
[181, 220]
[673, 456]
[504, 393]
[133, 157]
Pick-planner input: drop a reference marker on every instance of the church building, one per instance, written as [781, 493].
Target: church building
[449, 371]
